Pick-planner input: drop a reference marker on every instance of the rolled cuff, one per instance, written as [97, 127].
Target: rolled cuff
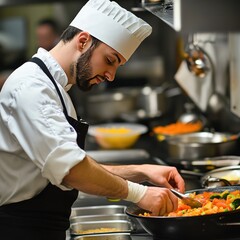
[60, 161]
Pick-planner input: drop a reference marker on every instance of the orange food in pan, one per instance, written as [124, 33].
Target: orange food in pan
[178, 128]
[212, 202]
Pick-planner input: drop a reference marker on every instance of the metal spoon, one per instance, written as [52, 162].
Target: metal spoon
[187, 200]
[217, 102]
[196, 59]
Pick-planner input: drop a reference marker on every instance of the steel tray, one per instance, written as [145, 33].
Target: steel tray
[98, 210]
[109, 236]
[95, 226]
[91, 218]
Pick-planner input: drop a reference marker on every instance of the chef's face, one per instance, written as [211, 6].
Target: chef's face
[96, 66]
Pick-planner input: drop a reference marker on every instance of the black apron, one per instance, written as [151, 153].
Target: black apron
[45, 216]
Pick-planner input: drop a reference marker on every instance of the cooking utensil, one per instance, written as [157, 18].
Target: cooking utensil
[187, 200]
[109, 105]
[153, 100]
[217, 102]
[211, 163]
[117, 135]
[200, 145]
[189, 115]
[196, 58]
[104, 236]
[215, 182]
[227, 175]
[223, 225]
[99, 227]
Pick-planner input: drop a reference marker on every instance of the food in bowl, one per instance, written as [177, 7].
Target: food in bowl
[212, 202]
[117, 135]
[177, 128]
[98, 230]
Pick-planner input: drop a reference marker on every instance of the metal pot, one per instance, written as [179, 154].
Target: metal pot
[153, 101]
[109, 105]
[130, 104]
[214, 226]
[200, 145]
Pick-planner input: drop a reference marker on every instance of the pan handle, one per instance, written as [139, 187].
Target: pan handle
[229, 224]
[191, 173]
[182, 171]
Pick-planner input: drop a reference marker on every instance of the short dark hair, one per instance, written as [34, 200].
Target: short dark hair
[71, 32]
[50, 22]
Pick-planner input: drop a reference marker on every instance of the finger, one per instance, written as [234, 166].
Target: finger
[167, 203]
[180, 182]
[162, 210]
[174, 200]
[167, 185]
[171, 204]
[177, 182]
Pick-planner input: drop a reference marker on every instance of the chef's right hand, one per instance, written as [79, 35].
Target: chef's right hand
[158, 201]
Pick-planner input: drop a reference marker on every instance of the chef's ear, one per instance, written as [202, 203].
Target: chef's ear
[83, 41]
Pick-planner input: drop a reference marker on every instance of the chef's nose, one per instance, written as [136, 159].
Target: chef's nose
[109, 76]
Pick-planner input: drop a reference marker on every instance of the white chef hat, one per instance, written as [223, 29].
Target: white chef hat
[113, 25]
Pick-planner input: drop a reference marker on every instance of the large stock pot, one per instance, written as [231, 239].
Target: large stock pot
[224, 225]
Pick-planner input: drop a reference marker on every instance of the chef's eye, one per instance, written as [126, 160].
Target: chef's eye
[110, 61]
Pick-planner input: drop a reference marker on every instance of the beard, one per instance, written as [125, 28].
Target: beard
[84, 71]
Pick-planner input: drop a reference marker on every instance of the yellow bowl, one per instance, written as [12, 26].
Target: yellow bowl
[117, 135]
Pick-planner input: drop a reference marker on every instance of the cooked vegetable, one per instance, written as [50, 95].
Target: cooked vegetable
[222, 195]
[212, 202]
[236, 203]
[178, 128]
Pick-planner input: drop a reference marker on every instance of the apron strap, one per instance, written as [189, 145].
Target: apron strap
[41, 64]
[80, 126]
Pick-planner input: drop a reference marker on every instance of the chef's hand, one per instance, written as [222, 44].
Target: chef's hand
[164, 176]
[158, 201]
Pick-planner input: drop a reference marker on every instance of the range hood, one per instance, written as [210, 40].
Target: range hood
[197, 15]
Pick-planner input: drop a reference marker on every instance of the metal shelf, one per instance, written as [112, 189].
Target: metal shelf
[197, 15]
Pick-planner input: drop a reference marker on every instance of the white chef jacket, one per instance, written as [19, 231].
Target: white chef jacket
[37, 144]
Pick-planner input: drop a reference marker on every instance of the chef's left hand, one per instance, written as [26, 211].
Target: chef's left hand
[165, 176]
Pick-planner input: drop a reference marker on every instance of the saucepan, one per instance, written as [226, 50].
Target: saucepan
[223, 225]
[200, 145]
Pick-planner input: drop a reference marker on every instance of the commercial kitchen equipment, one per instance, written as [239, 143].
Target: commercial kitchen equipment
[196, 16]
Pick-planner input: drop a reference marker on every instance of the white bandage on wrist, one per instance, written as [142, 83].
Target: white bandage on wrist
[135, 192]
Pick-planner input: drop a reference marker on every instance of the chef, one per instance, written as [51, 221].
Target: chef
[43, 164]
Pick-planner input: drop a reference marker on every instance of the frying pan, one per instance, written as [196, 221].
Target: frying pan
[214, 226]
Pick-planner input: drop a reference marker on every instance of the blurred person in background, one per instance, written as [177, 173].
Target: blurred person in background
[47, 33]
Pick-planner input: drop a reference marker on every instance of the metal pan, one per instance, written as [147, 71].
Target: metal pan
[96, 227]
[109, 236]
[231, 174]
[200, 145]
[91, 218]
[97, 210]
[214, 226]
[211, 163]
